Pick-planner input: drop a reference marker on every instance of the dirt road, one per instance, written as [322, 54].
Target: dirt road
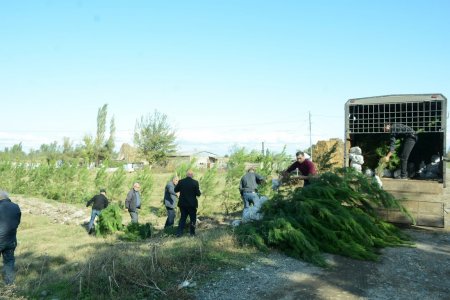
[422, 272]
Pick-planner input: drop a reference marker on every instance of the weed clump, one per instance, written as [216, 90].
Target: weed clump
[136, 232]
[336, 213]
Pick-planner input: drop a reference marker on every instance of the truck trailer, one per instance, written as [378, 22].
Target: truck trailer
[425, 194]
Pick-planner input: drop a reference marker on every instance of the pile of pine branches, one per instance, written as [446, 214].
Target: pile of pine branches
[336, 213]
[135, 232]
[109, 221]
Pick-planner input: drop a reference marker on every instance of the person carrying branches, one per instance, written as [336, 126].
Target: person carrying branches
[305, 167]
[409, 139]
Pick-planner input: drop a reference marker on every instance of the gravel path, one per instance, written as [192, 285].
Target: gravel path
[422, 272]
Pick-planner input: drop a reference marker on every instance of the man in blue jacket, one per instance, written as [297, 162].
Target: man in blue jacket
[133, 202]
[189, 191]
[9, 221]
[170, 201]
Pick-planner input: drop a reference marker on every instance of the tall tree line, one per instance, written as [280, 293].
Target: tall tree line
[91, 151]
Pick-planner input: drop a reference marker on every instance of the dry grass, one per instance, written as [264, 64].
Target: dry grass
[62, 261]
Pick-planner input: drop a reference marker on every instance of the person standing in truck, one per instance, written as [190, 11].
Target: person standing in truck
[409, 139]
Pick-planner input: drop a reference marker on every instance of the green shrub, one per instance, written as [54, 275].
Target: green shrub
[115, 187]
[135, 232]
[110, 221]
[208, 182]
[161, 211]
[145, 178]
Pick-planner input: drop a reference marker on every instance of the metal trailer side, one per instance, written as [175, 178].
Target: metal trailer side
[427, 200]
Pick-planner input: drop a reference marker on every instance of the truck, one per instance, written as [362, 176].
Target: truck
[425, 196]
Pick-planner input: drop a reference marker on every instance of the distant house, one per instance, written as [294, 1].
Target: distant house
[130, 157]
[131, 167]
[203, 159]
[128, 153]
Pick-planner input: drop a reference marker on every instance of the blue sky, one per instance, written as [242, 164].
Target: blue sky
[224, 72]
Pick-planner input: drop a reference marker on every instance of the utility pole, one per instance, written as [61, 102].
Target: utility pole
[262, 148]
[310, 139]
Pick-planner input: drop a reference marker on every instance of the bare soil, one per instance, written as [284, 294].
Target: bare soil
[57, 212]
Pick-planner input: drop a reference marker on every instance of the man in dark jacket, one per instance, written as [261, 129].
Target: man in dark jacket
[99, 202]
[189, 191]
[409, 137]
[9, 221]
[248, 187]
[133, 202]
[170, 201]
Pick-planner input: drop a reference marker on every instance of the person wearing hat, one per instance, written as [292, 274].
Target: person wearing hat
[99, 202]
[9, 221]
[248, 187]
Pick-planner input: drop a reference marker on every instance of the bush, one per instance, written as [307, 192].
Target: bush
[135, 232]
[110, 221]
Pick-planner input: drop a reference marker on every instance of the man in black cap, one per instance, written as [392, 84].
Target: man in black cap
[99, 203]
[9, 221]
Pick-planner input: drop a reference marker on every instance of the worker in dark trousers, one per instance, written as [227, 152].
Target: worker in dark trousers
[10, 215]
[248, 187]
[99, 202]
[409, 139]
[170, 201]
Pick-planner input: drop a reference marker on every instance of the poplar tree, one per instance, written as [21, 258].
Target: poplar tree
[101, 128]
